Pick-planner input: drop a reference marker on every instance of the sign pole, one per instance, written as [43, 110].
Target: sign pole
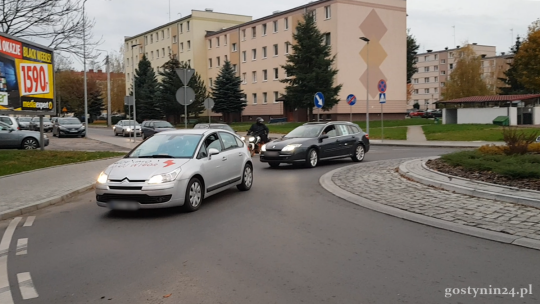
[185, 98]
[382, 123]
[209, 122]
[318, 114]
[41, 137]
[350, 114]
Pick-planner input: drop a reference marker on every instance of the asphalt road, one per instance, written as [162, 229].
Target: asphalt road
[285, 241]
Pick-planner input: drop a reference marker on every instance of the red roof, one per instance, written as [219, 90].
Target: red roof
[492, 98]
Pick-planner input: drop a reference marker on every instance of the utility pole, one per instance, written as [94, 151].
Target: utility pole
[107, 62]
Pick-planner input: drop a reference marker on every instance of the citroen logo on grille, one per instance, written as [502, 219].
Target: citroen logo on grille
[273, 147]
[125, 180]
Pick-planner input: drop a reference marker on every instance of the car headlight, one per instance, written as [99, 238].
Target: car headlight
[164, 178]
[82, 128]
[62, 128]
[102, 179]
[263, 148]
[242, 138]
[251, 139]
[128, 129]
[289, 148]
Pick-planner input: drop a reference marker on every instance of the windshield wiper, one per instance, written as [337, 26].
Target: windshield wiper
[157, 156]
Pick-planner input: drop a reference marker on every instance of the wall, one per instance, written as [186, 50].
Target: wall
[513, 116]
[449, 116]
[480, 115]
[536, 115]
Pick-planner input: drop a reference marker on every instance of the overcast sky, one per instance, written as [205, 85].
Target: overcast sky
[486, 22]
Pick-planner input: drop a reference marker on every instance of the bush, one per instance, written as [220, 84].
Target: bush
[518, 141]
[116, 119]
[493, 149]
[534, 148]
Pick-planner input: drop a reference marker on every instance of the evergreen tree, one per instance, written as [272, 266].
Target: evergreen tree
[309, 68]
[146, 85]
[227, 94]
[412, 50]
[512, 85]
[95, 102]
[527, 60]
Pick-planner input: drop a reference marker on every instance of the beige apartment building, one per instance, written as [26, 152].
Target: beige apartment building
[257, 50]
[435, 66]
[183, 38]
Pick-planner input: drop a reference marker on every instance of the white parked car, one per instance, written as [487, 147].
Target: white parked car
[176, 168]
[11, 121]
[127, 128]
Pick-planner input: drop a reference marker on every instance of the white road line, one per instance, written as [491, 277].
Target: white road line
[26, 286]
[5, 291]
[29, 221]
[22, 246]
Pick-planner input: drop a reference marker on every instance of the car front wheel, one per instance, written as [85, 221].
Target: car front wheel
[194, 195]
[312, 158]
[30, 144]
[247, 178]
[359, 153]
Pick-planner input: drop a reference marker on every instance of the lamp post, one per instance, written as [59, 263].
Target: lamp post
[108, 89]
[367, 84]
[134, 106]
[84, 63]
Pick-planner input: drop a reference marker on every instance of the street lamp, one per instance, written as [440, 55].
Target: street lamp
[84, 63]
[134, 106]
[367, 84]
[108, 89]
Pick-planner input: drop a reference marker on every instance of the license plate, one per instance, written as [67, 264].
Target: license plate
[271, 153]
[123, 205]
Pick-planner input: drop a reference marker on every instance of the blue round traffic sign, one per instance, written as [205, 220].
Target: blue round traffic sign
[319, 100]
[351, 100]
[382, 86]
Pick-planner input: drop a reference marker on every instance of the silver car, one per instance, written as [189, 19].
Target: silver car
[11, 138]
[176, 168]
[47, 124]
[24, 122]
[125, 128]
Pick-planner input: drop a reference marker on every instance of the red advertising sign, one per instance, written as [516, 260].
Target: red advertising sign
[10, 47]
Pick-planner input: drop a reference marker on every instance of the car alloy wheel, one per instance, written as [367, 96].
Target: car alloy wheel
[359, 153]
[30, 144]
[247, 178]
[313, 158]
[194, 195]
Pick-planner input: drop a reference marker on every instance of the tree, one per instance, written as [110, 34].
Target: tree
[70, 93]
[146, 88]
[512, 85]
[62, 63]
[412, 50]
[228, 96]
[95, 102]
[170, 83]
[60, 23]
[527, 60]
[117, 60]
[309, 68]
[466, 79]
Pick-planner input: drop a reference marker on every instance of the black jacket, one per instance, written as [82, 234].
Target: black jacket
[259, 129]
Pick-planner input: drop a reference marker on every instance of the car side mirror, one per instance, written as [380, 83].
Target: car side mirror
[324, 136]
[212, 151]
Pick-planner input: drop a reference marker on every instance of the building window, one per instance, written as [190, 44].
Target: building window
[146, 40]
[265, 98]
[217, 42]
[264, 52]
[327, 12]
[218, 61]
[181, 28]
[426, 79]
[426, 69]
[162, 52]
[254, 76]
[451, 55]
[152, 55]
[169, 50]
[415, 80]
[426, 101]
[189, 45]
[426, 58]
[225, 40]
[234, 47]
[451, 66]
[128, 61]
[265, 75]
[436, 79]
[136, 58]
[426, 91]
[235, 68]
[243, 35]
[436, 56]
[416, 91]
[436, 90]
[244, 56]
[188, 27]
[168, 33]
[276, 96]
[276, 49]
[181, 47]
[151, 38]
[210, 62]
[264, 26]
[436, 68]
[226, 58]
[443, 72]
[173, 39]
[276, 73]
[157, 54]
[128, 76]
[275, 26]
[162, 34]
[254, 54]
[442, 84]
[210, 82]
[287, 47]
[443, 60]
[327, 39]
[254, 32]
[254, 98]
[314, 14]
[210, 43]
[286, 23]
[244, 78]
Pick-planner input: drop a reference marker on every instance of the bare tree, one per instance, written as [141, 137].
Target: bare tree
[60, 23]
[62, 63]
[117, 60]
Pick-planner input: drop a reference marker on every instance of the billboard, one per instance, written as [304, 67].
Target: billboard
[26, 76]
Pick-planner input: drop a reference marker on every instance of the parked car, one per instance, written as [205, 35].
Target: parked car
[11, 138]
[151, 127]
[432, 114]
[176, 168]
[125, 128]
[47, 124]
[24, 123]
[416, 113]
[312, 142]
[68, 126]
[11, 121]
[538, 139]
[214, 126]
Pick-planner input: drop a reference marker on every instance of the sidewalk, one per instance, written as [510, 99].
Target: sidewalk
[377, 186]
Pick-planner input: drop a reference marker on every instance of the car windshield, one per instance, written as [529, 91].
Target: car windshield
[69, 121]
[162, 124]
[222, 127]
[167, 146]
[25, 119]
[45, 119]
[306, 131]
[130, 123]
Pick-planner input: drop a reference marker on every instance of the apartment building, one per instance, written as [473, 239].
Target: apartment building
[257, 50]
[183, 38]
[493, 70]
[435, 66]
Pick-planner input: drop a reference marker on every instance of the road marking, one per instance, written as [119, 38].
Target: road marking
[26, 286]
[5, 291]
[22, 246]
[29, 221]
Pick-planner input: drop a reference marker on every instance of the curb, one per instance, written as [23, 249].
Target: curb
[35, 170]
[328, 185]
[44, 203]
[421, 146]
[466, 190]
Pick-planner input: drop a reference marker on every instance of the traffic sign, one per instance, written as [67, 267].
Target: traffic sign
[351, 100]
[185, 75]
[382, 86]
[319, 100]
[64, 109]
[382, 97]
[185, 96]
[128, 100]
[209, 103]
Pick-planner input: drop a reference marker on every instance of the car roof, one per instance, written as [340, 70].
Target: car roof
[329, 122]
[193, 131]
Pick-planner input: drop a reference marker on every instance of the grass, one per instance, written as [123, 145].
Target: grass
[16, 161]
[395, 133]
[515, 166]
[467, 132]
[396, 123]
